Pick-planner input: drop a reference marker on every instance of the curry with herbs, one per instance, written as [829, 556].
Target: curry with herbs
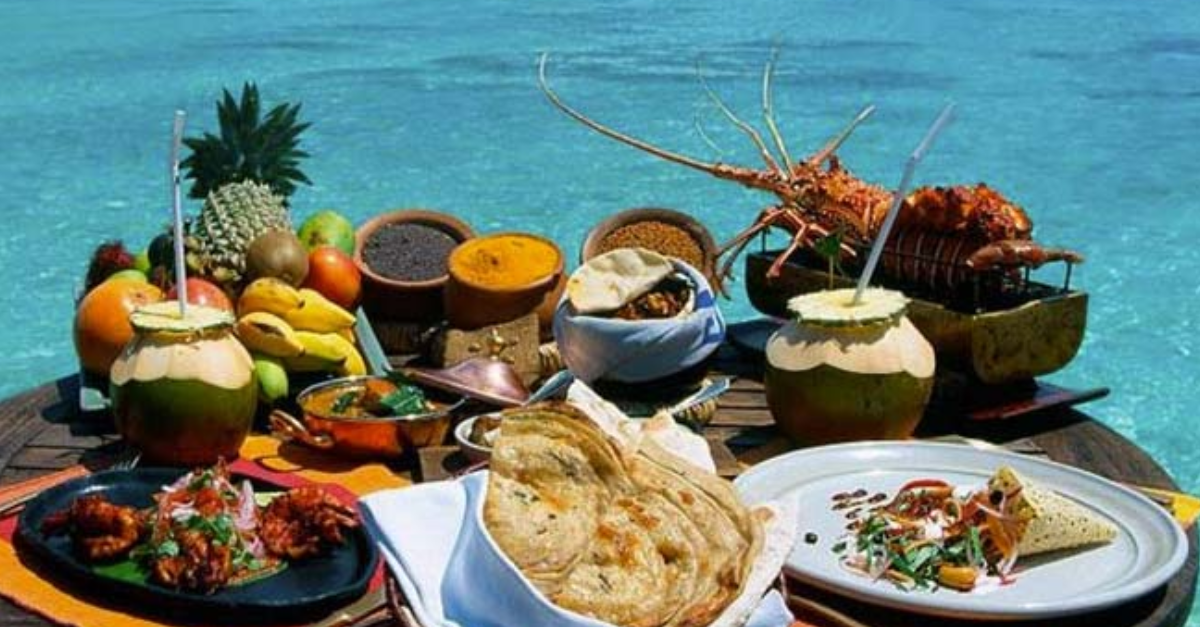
[367, 398]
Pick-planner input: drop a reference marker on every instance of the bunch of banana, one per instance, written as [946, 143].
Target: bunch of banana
[297, 328]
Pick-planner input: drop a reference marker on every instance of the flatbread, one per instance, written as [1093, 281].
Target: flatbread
[609, 281]
[731, 536]
[638, 537]
[1048, 520]
[546, 489]
[643, 567]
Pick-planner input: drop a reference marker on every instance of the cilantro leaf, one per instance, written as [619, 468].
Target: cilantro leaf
[407, 399]
[203, 480]
[344, 401]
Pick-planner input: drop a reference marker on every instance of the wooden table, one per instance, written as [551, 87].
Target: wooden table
[41, 430]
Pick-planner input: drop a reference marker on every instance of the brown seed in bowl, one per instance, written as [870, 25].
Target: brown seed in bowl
[658, 236]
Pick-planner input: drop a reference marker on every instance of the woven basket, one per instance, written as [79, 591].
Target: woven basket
[807, 610]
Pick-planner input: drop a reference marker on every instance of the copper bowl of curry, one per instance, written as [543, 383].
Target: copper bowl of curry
[501, 277]
[367, 416]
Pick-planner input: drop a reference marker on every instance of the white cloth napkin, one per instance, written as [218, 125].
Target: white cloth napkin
[454, 575]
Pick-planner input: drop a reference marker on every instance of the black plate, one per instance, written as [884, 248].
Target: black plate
[305, 589]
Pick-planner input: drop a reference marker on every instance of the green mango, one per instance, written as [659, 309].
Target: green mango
[272, 378]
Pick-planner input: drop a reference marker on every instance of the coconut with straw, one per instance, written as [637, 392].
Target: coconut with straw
[183, 390]
[853, 366]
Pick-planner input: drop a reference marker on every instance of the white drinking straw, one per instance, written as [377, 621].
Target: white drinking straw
[177, 206]
[877, 248]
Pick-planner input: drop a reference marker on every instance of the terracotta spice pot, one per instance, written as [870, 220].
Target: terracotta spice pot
[471, 303]
[387, 298]
[644, 226]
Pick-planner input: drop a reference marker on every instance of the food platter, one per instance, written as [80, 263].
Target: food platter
[301, 591]
[1148, 550]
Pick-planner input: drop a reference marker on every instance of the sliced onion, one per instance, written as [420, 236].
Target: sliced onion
[180, 483]
[879, 566]
[183, 511]
[254, 545]
[247, 512]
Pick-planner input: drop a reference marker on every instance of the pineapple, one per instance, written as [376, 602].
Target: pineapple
[232, 217]
[837, 308]
[249, 147]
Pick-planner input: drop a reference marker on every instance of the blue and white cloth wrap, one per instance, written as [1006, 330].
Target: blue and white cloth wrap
[633, 351]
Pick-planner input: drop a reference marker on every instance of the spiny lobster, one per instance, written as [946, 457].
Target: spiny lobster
[942, 235]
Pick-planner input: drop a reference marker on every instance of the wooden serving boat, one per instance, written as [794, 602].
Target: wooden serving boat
[1027, 334]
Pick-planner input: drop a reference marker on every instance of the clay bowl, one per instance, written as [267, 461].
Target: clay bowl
[471, 305]
[698, 232]
[387, 299]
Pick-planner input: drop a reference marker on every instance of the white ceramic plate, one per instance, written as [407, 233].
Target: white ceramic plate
[1150, 547]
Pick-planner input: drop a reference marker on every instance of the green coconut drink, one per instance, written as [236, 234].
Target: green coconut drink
[183, 390]
[848, 371]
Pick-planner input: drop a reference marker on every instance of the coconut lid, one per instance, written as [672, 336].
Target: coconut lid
[837, 307]
[611, 280]
[163, 317]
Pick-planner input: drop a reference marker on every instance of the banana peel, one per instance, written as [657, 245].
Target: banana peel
[327, 347]
[305, 331]
[268, 334]
[328, 352]
[318, 314]
[354, 366]
[311, 363]
[270, 295]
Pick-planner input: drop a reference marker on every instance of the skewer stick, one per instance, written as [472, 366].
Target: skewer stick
[177, 207]
[877, 248]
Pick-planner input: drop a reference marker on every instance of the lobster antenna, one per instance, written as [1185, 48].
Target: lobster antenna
[841, 138]
[741, 124]
[898, 199]
[698, 123]
[614, 134]
[769, 110]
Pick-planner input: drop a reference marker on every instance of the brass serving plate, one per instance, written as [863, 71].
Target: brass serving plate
[1029, 340]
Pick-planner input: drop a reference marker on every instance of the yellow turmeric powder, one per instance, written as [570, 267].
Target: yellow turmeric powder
[504, 261]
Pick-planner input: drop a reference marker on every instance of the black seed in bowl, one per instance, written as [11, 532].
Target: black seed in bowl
[409, 251]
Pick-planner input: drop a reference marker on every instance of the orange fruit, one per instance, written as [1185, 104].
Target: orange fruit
[333, 273]
[102, 321]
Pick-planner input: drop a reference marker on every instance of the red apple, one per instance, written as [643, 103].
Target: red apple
[333, 273]
[201, 292]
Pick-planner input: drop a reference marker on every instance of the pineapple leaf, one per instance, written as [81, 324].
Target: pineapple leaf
[250, 146]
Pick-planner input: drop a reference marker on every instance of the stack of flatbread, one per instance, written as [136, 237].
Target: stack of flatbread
[630, 537]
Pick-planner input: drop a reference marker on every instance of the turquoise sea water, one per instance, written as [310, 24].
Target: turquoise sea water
[1087, 113]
